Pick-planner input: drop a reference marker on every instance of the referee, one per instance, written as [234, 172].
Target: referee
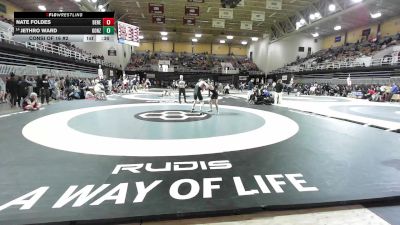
[182, 86]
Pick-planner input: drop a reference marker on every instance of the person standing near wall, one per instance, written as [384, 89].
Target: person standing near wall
[250, 87]
[2, 91]
[279, 89]
[100, 73]
[12, 89]
[23, 89]
[182, 86]
[44, 86]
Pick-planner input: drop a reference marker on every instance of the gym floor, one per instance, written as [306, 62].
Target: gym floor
[144, 157]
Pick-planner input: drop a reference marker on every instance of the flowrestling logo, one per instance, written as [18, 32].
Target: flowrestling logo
[172, 116]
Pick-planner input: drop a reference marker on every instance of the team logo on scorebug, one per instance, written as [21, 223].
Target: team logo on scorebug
[172, 116]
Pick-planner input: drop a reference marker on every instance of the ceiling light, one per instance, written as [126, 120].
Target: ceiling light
[337, 27]
[194, 40]
[357, 1]
[312, 17]
[315, 34]
[332, 7]
[254, 38]
[229, 37]
[141, 36]
[103, 9]
[244, 42]
[222, 41]
[94, 1]
[163, 33]
[376, 15]
[298, 25]
[101, 6]
[77, 0]
[317, 15]
[42, 7]
[198, 35]
[302, 21]
[164, 38]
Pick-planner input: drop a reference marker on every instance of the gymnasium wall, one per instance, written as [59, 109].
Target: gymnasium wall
[259, 50]
[9, 9]
[181, 47]
[356, 35]
[163, 46]
[201, 47]
[388, 28]
[331, 42]
[270, 56]
[391, 26]
[239, 50]
[122, 58]
[220, 49]
[144, 46]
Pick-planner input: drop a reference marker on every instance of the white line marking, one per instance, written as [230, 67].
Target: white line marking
[46, 131]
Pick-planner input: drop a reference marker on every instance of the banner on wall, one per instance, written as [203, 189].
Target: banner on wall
[338, 39]
[3, 8]
[189, 21]
[366, 32]
[218, 23]
[274, 4]
[112, 52]
[257, 15]
[156, 8]
[158, 19]
[225, 13]
[150, 75]
[164, 62]
[246, 25]
[192, 11]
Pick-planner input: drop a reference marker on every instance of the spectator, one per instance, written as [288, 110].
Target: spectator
[250, 87]
[226, 89]
[279, 89]
[2, 91]
[12, 89]
[44, 86]
[23, 89]
[395, 89]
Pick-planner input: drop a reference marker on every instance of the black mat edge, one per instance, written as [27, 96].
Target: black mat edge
[348, 120]
[394, 200]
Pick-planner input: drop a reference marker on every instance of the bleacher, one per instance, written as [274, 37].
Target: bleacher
[377, 53]
[188, 62]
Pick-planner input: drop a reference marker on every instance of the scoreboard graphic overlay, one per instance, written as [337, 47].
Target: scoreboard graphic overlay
[64, 26]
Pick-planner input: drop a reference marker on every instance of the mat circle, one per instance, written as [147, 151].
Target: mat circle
[53, 131]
